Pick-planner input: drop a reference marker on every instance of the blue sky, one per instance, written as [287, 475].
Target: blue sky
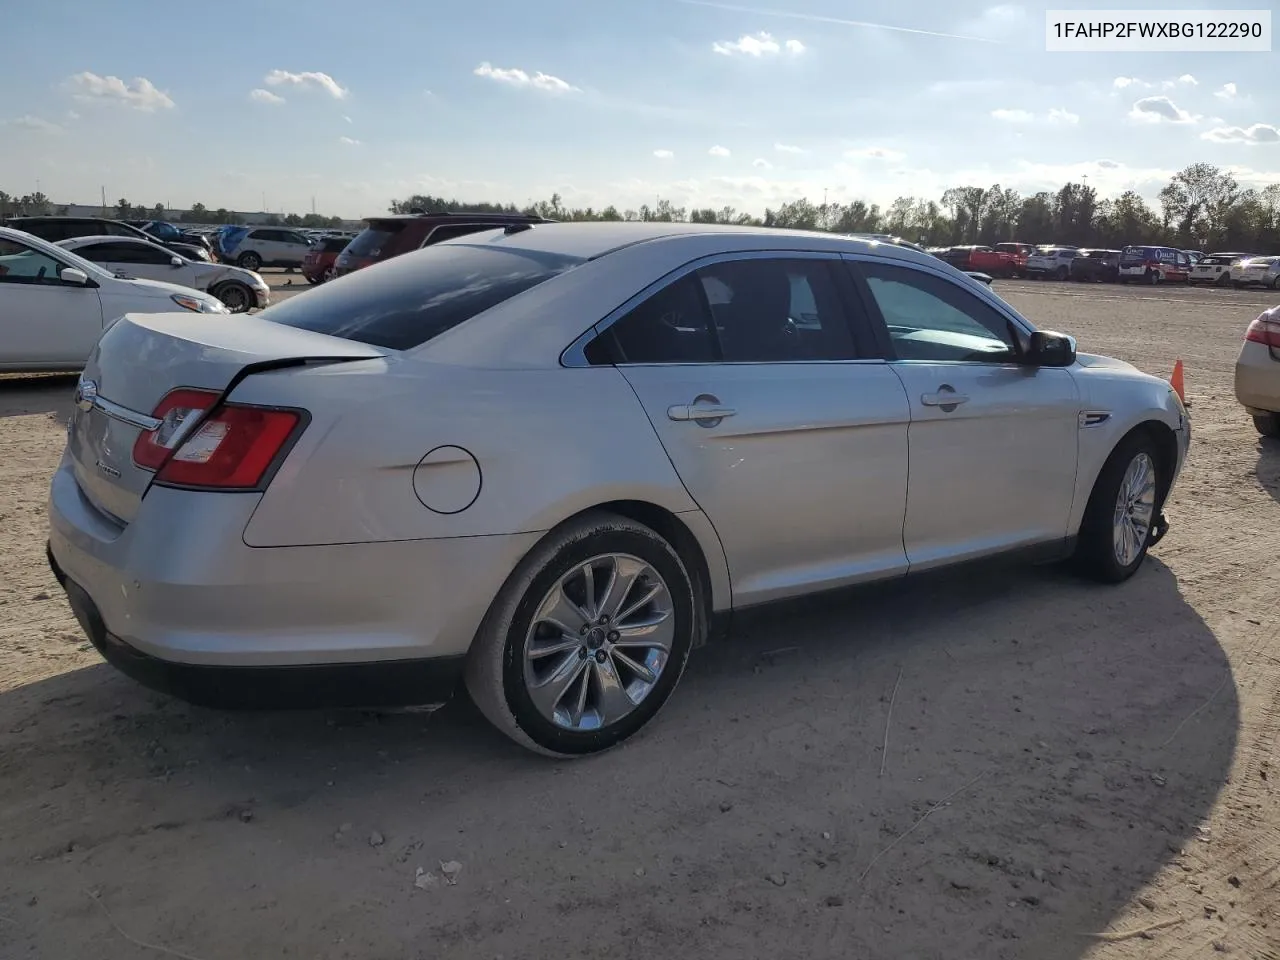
[706, 104]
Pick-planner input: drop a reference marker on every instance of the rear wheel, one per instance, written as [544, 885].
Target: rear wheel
[1152, 277]
[1267, 424]
[237, 297]
[1223, 279]
[1121, 513]
[250, 261]
[586, 640]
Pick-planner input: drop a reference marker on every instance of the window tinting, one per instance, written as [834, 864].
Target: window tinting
[930, 318]
[777, 311]
[371, 241]
[409, 300]
[451, 230]
[335, 244]
[672, 326]
[21, 264]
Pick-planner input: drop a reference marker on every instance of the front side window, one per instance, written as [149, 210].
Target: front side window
[932, 319]
[22, 264]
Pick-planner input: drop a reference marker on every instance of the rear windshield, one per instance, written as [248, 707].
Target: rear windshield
[406, 301]
[370, 241]
[335, 244]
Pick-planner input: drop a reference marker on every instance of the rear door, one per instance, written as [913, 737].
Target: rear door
[784, 427]
[135, 258]
[42, 319]
[992, 444]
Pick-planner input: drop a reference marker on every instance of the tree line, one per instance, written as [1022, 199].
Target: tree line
[1201, 206]
[39, 205]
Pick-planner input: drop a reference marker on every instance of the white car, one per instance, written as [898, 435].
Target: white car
[54, 304]
[1257, 271]
[1052, 262]
[1215, 268]
[255, 247]
[241, 290]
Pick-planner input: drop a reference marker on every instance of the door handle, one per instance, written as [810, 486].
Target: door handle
[945, 397]
[701, 409]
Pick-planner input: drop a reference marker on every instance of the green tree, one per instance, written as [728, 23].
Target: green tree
[123, 209]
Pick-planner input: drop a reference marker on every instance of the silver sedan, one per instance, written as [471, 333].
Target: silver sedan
[546, 462]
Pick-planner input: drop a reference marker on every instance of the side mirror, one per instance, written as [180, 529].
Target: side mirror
[175, 261]
[1049, 349]
[73, 276]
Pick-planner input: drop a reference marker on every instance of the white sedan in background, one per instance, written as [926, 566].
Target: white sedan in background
[241, 290]
[54, 305]
[1257, 271]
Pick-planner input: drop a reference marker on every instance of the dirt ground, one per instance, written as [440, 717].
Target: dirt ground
[1071, 771]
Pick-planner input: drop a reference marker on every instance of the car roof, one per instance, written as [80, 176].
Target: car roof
[72, 242]
[463, 214]
[589, 240]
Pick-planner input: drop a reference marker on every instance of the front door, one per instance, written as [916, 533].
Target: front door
[793, 446]
[993, 444]
[43, 320]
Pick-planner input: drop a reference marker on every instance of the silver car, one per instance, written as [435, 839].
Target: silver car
[1257, 377]
[547, 461]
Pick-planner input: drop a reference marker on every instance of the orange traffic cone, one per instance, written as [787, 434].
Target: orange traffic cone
[1175, 380]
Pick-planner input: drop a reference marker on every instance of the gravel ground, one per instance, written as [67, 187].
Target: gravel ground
[1071, 771]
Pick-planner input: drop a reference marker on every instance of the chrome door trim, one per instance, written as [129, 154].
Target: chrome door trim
[574, 355]
[88, 398]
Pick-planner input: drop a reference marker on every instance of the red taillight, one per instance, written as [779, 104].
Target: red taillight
[231, 449]
[1264, 331]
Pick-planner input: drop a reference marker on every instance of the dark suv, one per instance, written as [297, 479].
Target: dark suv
[392, 235]
[53, 229]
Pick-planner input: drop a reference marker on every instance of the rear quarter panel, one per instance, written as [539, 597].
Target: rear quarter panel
[549, 443]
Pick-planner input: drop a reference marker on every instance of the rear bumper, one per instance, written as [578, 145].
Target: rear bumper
[387, 683]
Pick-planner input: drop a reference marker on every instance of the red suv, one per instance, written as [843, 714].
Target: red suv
[317, 265]
[390, 236]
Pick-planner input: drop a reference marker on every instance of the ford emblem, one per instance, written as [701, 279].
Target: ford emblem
[86, 393]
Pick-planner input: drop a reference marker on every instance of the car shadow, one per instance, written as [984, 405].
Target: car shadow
[1268, 469]
[23, 395]
[1051, 745]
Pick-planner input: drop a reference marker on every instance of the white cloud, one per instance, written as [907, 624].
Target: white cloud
[349, 141]
[663, 154]
[347, 119]
[1228, 92]
[760, 44]
[1122, 83]
[789, 148]
[997, 23]
[874, 153]
[761, 164]
[265, 96]
[1188, 80]
[519, 78]
[141, 94]
[308, 80]
[37, 124]
[72, 115]
[719, 151]
[1258, 133]
[1159, 110]
[1055, 115]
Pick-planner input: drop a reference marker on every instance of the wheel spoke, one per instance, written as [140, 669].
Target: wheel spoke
[638, 602]
[548, 694]
[546, 648]
[655, 634]
[561, 612]
[589, 605]
[612, 701]
[638, 669]
[622, 578]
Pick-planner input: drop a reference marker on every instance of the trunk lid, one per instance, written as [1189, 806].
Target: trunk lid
[144, 356]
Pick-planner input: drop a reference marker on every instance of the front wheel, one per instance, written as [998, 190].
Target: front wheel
[250, 261]
[1153, 277]
[1267, 424]
[586, 640]
[1062, 273]
[1122, 512]
[236, 296]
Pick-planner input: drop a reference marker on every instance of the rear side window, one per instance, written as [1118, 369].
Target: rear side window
[372, 240]
[406, 301]
[335, 244]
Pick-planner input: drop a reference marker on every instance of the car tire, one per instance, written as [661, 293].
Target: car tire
[250, 261]
[503, 679]
[1110, 547]
[237, 297]
[313, 279]
[1267, 424]
[1275, 284]
[1062, 273]
[1152, 277]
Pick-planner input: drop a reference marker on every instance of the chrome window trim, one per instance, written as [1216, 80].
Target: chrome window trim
[574, 355]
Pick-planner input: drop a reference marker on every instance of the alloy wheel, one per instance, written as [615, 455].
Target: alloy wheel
[1134, 510]
[599, 641]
